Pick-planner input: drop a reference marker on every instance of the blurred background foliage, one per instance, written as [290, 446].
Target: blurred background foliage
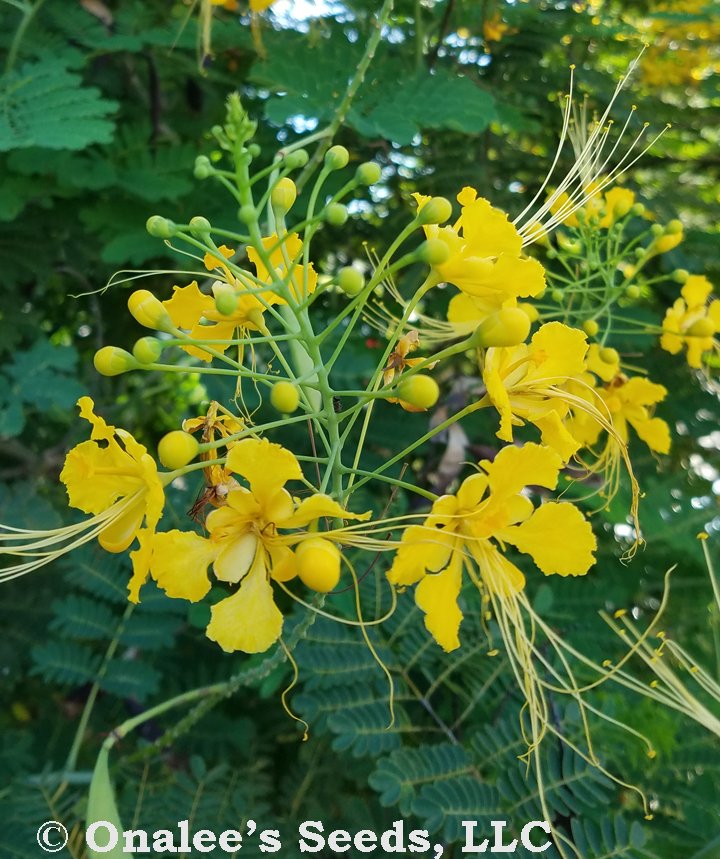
[103, 109]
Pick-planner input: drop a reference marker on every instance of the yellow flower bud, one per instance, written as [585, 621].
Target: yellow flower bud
[112, 361]
[437, 210]
[420, 391]
[529, 310]
[609, 355]
[666, 243]
[148, 311]
[318, 564]
[285, 397]
[283, 195]
[507, 327]
[147, 350]
[337, 157]
[590, 327]
[176, 449]
[680, 275]
[675, 226]
[622, 207]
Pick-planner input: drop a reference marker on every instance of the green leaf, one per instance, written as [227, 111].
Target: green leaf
[44, 104]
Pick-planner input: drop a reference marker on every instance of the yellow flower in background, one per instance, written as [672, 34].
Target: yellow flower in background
[607, 208]
[468, 531]
[260, 5]
[485, 259]
[284, 260]
[529, 382]
[692, 322]
[494, 28]
[629, 403]
[245, 546]
[602, 361]
[112, 470]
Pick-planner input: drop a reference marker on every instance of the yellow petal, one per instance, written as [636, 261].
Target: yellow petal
[187, 305]
[248, 620]
[516, 467]
[118, 536]
[180, 562]
[556, 435]
[487, 230]
[141, 559]
[100, 429]
[90, 487]
[558, 352]
[265, 466]
[316, 507]
[696, 289]
[422, 550]
[236, 557]
[654, 432]
[557, 537]
[437, 596]
[283, 565]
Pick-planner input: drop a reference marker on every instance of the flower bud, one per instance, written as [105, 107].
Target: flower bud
[680, 275]
[675, 226]
[702, 328]
[632, 291]
[608, 355]
[285, 397]
[557, 296]
[433, 252]
[657, 230]
[283, 195]
[507, 327]
[318, 564]
[226, 299]
[590, 327]
[351, 281]
[148, 311]
[247, 214]
[667, 242]
[112, 361]
[297, 159]
[420, 390]
[437, 210]
[176, 449]
[529, 310]
[254, 150]
[160, 228]
[622, 207]
[368, 173]
[336, 214]
[199, 226]
[203, 167]
[147, 350]
[337, 157]
[638, 209]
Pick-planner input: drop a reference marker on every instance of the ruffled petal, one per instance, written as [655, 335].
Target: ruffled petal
[516, 467]
[654, 432]
[316, 507]
[557, 537]
[266, 466]
[91, 490]
[188, 305]
[180, 563]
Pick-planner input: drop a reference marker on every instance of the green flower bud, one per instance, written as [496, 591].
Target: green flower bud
[368, 173]
[680, 275]
[657, 230]
[283, 195]
[177, 449]
[226, 299]
[253, 150]
[112, 361]
[199, 226]
[336, 214]
[638, 209]
[675, 226]
[297, 159]
[160, 228]
[351, 281]
[420, 391]
[590, 327]
[247, 214]
[632, 291]
[203, 167]
[147, 350]
[557, 296]
[433, 252]
[337, 157]
[437, 210]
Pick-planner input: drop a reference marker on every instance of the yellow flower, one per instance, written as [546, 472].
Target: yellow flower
[494, 28]
[112, 470]
[606, 208]
[246, 546]
[486, 259]
[260, 5]
[604, 362]
[300, 281]
[468, 531]
[529, 382]
[692, 321]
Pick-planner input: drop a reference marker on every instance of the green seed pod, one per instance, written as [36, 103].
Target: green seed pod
[336, 214]
[147, 350]
[351, 281]
[368, 173]
[337, 157]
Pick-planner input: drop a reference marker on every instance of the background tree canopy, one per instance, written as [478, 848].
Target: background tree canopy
[104, 107]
